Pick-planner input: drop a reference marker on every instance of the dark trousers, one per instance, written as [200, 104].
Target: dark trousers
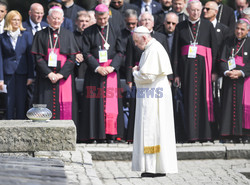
[16, 96]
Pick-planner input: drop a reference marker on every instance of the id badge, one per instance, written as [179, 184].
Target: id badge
[192, 50]
[231, 64]
[52, 59]
[103, 56]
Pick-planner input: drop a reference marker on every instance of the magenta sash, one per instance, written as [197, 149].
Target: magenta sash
[245, 97]
[111, 108]
[207, 53]
[65, 90]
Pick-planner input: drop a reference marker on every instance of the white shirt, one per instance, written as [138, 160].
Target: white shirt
[214, 22]
[143, 7]
[1, 26]
[34, 30]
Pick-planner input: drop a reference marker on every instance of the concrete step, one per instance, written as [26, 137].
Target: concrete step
[193, 151]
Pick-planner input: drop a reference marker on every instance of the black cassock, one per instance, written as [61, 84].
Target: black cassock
[192, 72]
[80, 68]
[45, 91]
[232, 90]
[226, 16]
[93, 121]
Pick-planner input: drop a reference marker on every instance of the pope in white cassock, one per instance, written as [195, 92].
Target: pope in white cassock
[154, 149]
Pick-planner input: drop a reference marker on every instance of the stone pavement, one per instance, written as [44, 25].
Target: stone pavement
[208, 169]
[191, 172]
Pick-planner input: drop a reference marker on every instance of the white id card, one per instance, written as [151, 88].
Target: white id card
[52, 59]
[103, 56]
[231, 63]
[192, 50]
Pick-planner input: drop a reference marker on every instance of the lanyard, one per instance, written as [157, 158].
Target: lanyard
[233, 54]
[220, 13]
[196, 36]
[106, 45]
[50, 40]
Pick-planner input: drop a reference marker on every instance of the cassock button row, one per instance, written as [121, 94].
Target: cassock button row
[54, 113]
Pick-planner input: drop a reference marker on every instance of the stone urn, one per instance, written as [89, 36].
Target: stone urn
[39, 112]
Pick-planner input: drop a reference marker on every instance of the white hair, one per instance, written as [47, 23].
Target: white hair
[193, 2]
[55, 9]
[152, 17]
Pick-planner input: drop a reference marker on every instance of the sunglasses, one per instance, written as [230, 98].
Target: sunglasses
[118, 2]
[171, 23]
[131, 23]
[207, 9]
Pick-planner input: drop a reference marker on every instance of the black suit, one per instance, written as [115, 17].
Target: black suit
[155, 6]
[227, 16]
[71, 12]
[125, 7]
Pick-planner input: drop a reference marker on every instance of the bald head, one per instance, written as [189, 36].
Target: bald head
[36, 13]
[171, 20]
[210, 10]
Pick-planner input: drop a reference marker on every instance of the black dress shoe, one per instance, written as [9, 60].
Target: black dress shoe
[110, 141]
[152, 175]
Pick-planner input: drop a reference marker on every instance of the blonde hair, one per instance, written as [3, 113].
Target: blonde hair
[9, 17]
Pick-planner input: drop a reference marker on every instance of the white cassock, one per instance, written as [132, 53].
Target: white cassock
[154, 148]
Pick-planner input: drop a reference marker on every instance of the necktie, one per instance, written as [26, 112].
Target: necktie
[146, 8]
[36, 27]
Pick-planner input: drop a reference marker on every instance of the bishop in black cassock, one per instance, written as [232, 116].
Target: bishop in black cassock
[193, 68]
[102, 105]
[235, 122]
[55, 84]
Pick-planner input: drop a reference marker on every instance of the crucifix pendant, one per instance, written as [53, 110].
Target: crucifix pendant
[106, 46]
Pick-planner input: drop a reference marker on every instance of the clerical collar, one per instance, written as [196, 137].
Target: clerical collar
[77, 29]
[242, 38]
[214, 22]
[53, 28]
[69, 5]
[167, 9]
[102, 26]
[193, 22]
[179, 13]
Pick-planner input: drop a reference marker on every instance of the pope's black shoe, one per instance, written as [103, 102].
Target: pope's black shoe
[152, 175]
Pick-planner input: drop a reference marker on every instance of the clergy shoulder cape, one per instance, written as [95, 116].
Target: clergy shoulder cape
[154, 137]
